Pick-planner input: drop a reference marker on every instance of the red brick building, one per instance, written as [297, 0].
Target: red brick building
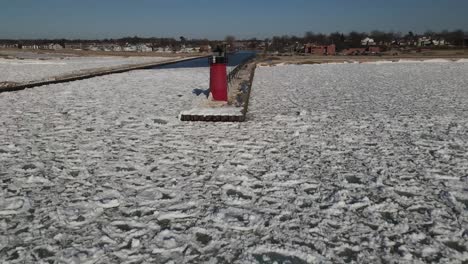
[320, 50]
[373, 50]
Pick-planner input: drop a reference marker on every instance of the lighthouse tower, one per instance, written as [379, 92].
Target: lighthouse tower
[218, 74]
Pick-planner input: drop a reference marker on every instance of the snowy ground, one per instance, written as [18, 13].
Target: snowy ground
[338, 164]
[16, 70]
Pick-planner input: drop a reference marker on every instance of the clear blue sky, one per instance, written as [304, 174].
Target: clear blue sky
[216, 19]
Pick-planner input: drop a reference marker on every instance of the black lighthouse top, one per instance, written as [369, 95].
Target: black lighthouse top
[219, 55]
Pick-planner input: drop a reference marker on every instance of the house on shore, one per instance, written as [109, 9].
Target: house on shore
[166, 49]
[55, 46]
[10, 46]
[143, 48]
[368, 42]
[74, 46]
[205, 48]
[33, 47]
[129, 47]
[320, 50]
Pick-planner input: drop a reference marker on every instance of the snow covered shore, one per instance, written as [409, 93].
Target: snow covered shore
[15, 70]
[337, 164]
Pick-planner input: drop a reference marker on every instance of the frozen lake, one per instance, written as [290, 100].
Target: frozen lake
[337, 164]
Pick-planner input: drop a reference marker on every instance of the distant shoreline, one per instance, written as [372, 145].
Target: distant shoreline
[273, 59]
[5, 52]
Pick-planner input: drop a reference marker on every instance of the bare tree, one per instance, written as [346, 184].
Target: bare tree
[356, 38]
[230, 41]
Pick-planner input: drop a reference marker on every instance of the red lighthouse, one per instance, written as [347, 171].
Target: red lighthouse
[218, 75]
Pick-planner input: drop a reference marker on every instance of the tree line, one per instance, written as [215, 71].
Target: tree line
[341, 40]
[353, 39]
[160, 42]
